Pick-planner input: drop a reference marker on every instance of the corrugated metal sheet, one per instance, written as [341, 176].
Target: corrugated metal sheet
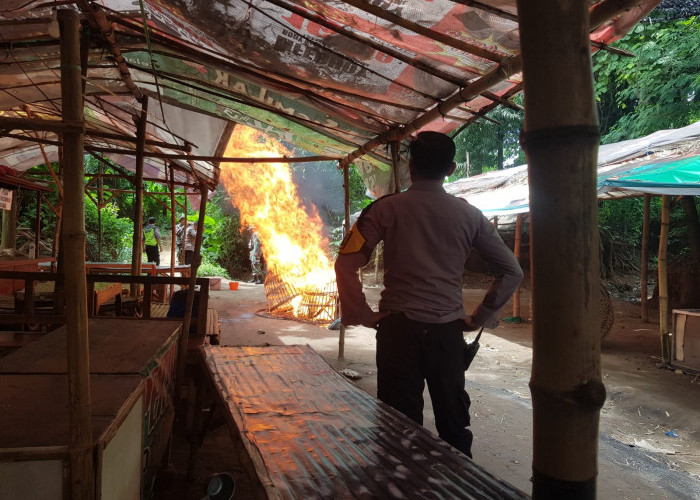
[312, 434]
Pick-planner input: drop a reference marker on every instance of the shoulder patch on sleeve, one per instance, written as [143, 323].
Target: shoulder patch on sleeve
[353, 242]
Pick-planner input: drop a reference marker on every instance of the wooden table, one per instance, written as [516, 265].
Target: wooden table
[116, 346]
[8, 286]
[148, 268]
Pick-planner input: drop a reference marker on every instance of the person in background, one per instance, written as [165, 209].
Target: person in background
[257, 261]
[189, 239]
[179, 235]
[151, 241]
[427, 236]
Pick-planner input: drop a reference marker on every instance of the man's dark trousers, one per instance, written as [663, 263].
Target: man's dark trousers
[410, 353]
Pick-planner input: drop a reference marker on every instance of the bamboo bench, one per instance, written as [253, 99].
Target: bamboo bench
[310, 433]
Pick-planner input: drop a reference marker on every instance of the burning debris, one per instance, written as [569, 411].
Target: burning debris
[300, 283]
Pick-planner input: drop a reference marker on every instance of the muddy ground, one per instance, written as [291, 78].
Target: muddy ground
[646, 407]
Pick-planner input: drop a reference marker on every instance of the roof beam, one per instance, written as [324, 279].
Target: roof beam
[98, 18]
[57, 126]
[427, 32]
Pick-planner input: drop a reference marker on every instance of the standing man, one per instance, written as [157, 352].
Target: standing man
[427, 236]
[257, 264]
[190, 237]
[179, 234]
[151, 241]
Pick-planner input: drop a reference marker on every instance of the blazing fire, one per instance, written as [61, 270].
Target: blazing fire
[299, 271]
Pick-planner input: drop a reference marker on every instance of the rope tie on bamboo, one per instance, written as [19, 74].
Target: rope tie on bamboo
[589, 396]
[557, 136]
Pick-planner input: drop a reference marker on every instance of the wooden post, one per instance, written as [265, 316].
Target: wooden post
[100, 205]
[9, 223]
[645, 260]
[560, 138]
[516, 252]
[37, 232]
[663, 279]
[81, 445]
[196, 259]
[173, 243]
[346, 193]
[184, 190]
[138, 201]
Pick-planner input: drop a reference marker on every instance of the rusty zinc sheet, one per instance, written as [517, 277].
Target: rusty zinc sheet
[312, 434]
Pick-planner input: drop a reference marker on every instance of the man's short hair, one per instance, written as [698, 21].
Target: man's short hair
[432, 154]
[151, 220]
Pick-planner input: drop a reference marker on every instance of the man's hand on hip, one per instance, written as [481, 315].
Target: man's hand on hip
[375, 318]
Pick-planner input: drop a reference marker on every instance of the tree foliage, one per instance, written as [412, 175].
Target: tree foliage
[490, 144]
[657, 89]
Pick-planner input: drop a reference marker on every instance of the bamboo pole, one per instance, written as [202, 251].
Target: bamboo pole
[346, 203]
[37, 232]
[196, 259]
[184, 190]
[9, 222]
[560, 139]
[138, 201]
[645, 260]
[62, 126]
[100, 205]
[173, 243]
[663, 279]
[516, 252]
[81, 445]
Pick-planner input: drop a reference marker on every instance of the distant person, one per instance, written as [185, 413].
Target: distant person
[427, 237]
[257, 261]
[179, 236]
[151, 241]
[189, 240]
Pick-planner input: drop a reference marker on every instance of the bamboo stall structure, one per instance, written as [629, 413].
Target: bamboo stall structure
[338, 119]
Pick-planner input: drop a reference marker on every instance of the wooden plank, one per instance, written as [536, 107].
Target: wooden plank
[312, 434]
[35, 407]
[116, 346]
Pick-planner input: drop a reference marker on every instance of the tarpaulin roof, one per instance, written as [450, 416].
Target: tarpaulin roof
[333, 77]
[665, 162]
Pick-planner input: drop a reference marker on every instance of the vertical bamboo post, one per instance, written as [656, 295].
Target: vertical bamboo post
[37, 234]
[9, 222]
[663, 279]
[81, 446]
[516, 252]
[187, 321]
[645, 260]
[346, 202]
[100, 205]
[138, 188]
[184, 190]
[173, 243]
[560, 138]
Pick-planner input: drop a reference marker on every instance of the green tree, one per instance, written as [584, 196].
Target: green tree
[490, 144]
[657, 89]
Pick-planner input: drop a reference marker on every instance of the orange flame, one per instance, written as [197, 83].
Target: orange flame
[292, 242]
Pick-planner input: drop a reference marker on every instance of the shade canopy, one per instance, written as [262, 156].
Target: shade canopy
[665, 162]
[339, 79]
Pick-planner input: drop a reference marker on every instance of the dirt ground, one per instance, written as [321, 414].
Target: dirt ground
[649, 426]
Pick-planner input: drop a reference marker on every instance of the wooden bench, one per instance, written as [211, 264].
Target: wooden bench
[310, 433]
[213, 330]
